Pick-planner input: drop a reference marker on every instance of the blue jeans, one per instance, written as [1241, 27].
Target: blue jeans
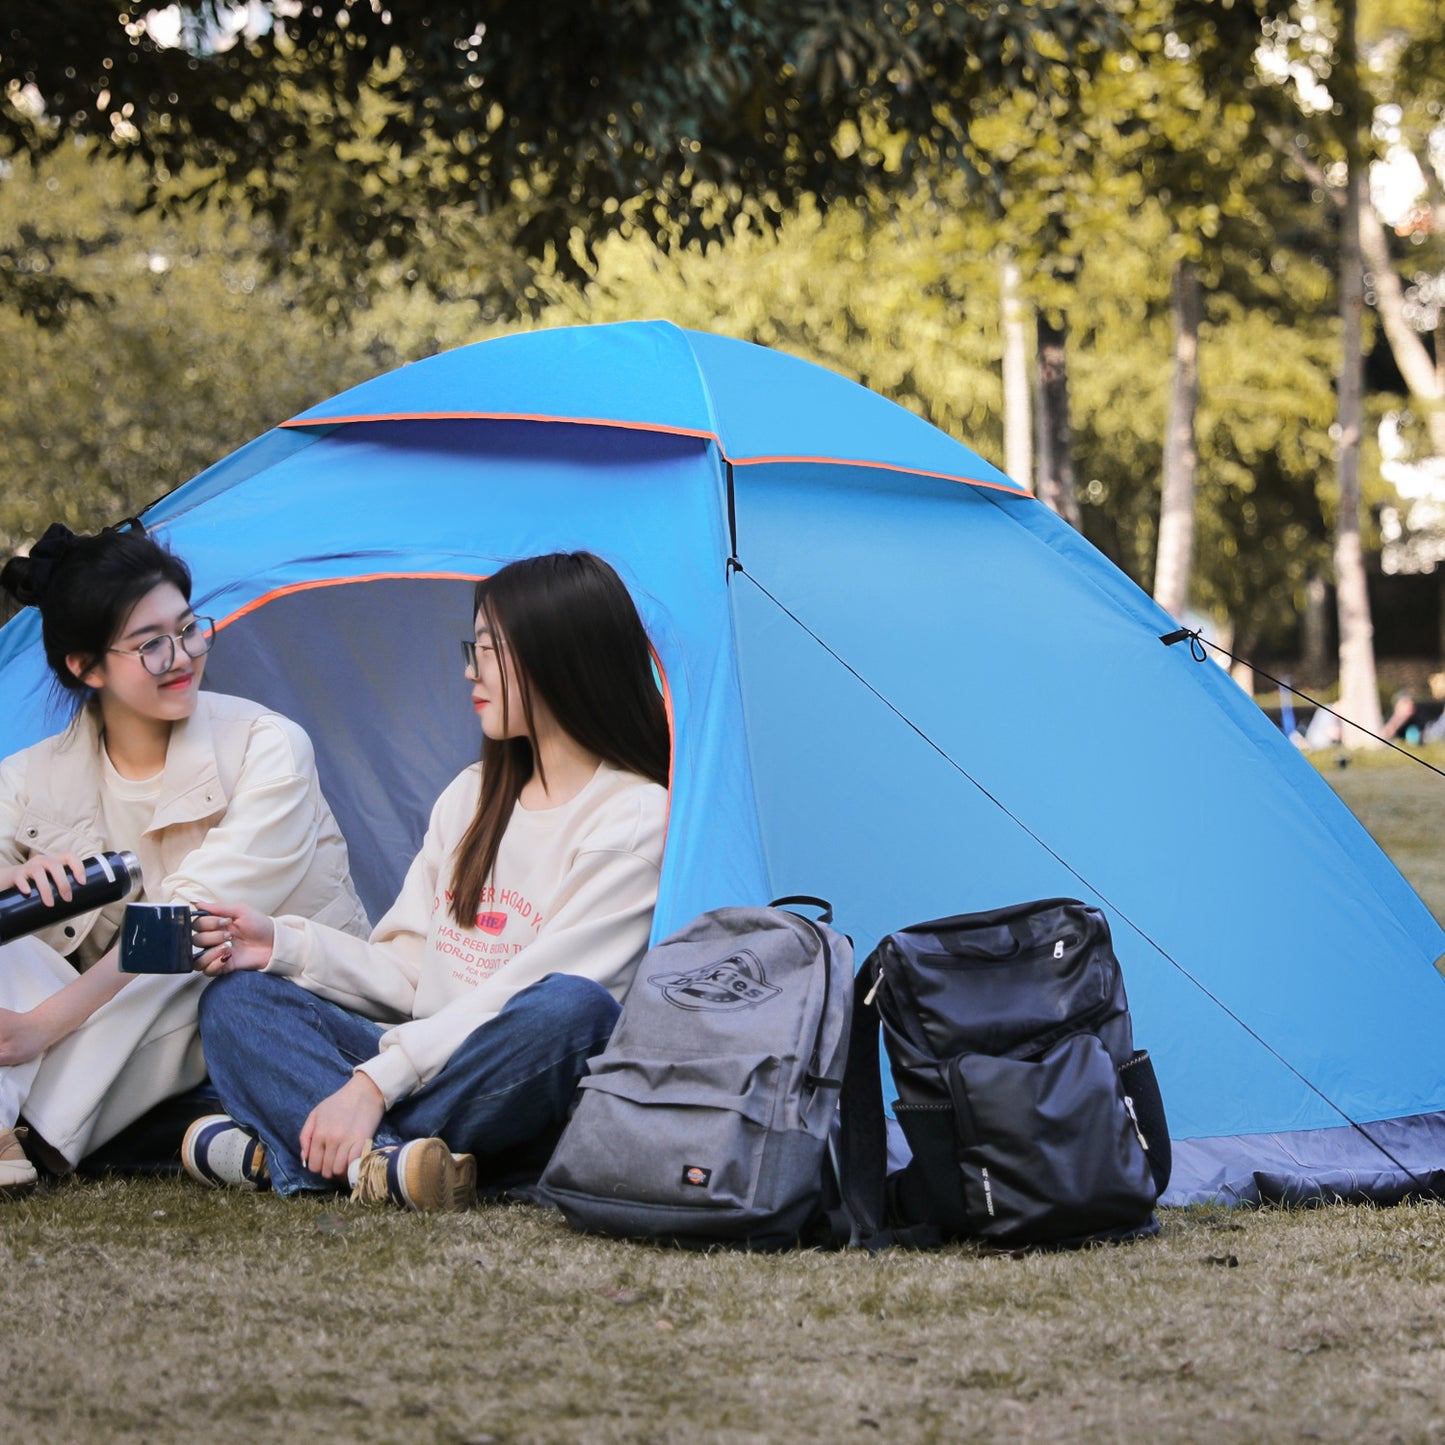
[275, 1051]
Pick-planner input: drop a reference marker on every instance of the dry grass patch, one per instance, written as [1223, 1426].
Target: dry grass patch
[153, 1310]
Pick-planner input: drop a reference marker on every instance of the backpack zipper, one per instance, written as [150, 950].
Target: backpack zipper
[1134, 1120]
[944, 958]
[877, 984]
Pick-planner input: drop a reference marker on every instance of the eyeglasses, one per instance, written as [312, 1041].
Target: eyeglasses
[158, 655]
[469, 655]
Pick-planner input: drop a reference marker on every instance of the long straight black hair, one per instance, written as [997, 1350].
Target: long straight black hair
[577, 645]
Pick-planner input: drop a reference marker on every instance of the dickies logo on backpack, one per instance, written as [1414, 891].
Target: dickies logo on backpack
[736, 982]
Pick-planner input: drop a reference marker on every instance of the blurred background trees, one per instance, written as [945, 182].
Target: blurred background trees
[213, 215]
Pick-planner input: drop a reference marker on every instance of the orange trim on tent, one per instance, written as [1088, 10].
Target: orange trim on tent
[277, 592]
[882, 467]
[256, 603]
[680, 431]
[652, 427]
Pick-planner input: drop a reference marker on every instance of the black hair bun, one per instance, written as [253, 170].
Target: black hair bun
[15, 579]
[27, 579]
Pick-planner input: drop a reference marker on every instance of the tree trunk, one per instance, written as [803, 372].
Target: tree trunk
[1425, 379]
[1174, 558]
[1054, 437]
[1244, 645]
[1017, 423]
[1440, 605]
[1359, 697]
[1315, 664]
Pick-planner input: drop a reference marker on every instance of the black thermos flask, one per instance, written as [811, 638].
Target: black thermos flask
[108, 877]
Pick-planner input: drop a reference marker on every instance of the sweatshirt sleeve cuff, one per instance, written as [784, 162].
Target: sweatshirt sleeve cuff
[288, 949]
[392, 1073]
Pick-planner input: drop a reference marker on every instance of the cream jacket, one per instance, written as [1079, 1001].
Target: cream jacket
[573, 891]
[240, 817]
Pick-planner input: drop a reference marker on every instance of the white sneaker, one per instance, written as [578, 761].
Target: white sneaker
[17, 1173]
[219, 1151]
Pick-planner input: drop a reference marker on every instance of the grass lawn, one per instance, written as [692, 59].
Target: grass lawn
[153, 1310]
[1403, 806]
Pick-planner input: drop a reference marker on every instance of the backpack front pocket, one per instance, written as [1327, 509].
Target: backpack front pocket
[1047, 1148]
[687, 1133]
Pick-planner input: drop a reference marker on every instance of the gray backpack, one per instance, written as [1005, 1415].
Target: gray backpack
[705, 1120]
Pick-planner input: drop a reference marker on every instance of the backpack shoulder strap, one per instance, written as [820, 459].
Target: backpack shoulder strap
[862, 1154]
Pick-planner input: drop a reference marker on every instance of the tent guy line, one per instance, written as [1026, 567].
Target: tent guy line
[1198, 642]
[736, 567]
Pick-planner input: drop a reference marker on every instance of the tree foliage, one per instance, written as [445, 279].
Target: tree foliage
[901, 298]
[192, 348]
[565, 118]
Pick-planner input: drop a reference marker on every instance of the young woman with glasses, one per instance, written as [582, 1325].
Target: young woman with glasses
[453, 1041]
[216, 796]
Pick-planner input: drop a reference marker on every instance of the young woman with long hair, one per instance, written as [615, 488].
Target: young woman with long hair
[216, 796]
[454, 1039]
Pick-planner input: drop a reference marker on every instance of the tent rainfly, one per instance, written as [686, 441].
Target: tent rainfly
[895, 680]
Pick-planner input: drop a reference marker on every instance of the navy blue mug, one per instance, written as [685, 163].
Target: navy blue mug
[156, 938]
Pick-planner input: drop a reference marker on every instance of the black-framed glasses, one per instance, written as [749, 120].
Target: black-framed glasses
[469, 656]
[158, 654]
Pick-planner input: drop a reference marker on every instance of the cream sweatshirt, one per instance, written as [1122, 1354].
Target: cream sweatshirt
[572, 892]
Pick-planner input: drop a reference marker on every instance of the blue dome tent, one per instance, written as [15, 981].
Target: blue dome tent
[895, 679]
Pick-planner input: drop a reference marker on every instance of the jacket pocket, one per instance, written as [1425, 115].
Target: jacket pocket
[37, 833]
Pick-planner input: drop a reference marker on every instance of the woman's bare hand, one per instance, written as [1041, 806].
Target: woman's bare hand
[50, 875]
[233, 936]
[23, 1037]
[340, 1127]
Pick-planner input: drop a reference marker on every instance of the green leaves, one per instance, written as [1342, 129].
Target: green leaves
[177, 345]
[577, 105]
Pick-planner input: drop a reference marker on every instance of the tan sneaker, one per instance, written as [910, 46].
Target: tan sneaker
[423, 1175]
[17, 1173]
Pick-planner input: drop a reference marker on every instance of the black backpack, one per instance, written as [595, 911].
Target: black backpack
[1031, 1118]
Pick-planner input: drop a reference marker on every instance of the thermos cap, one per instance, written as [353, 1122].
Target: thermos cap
[129, 862]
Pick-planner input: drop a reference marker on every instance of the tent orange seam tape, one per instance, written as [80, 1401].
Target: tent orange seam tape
[294, 587]
[680, 431]
[286, 591]
[1009, 487]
